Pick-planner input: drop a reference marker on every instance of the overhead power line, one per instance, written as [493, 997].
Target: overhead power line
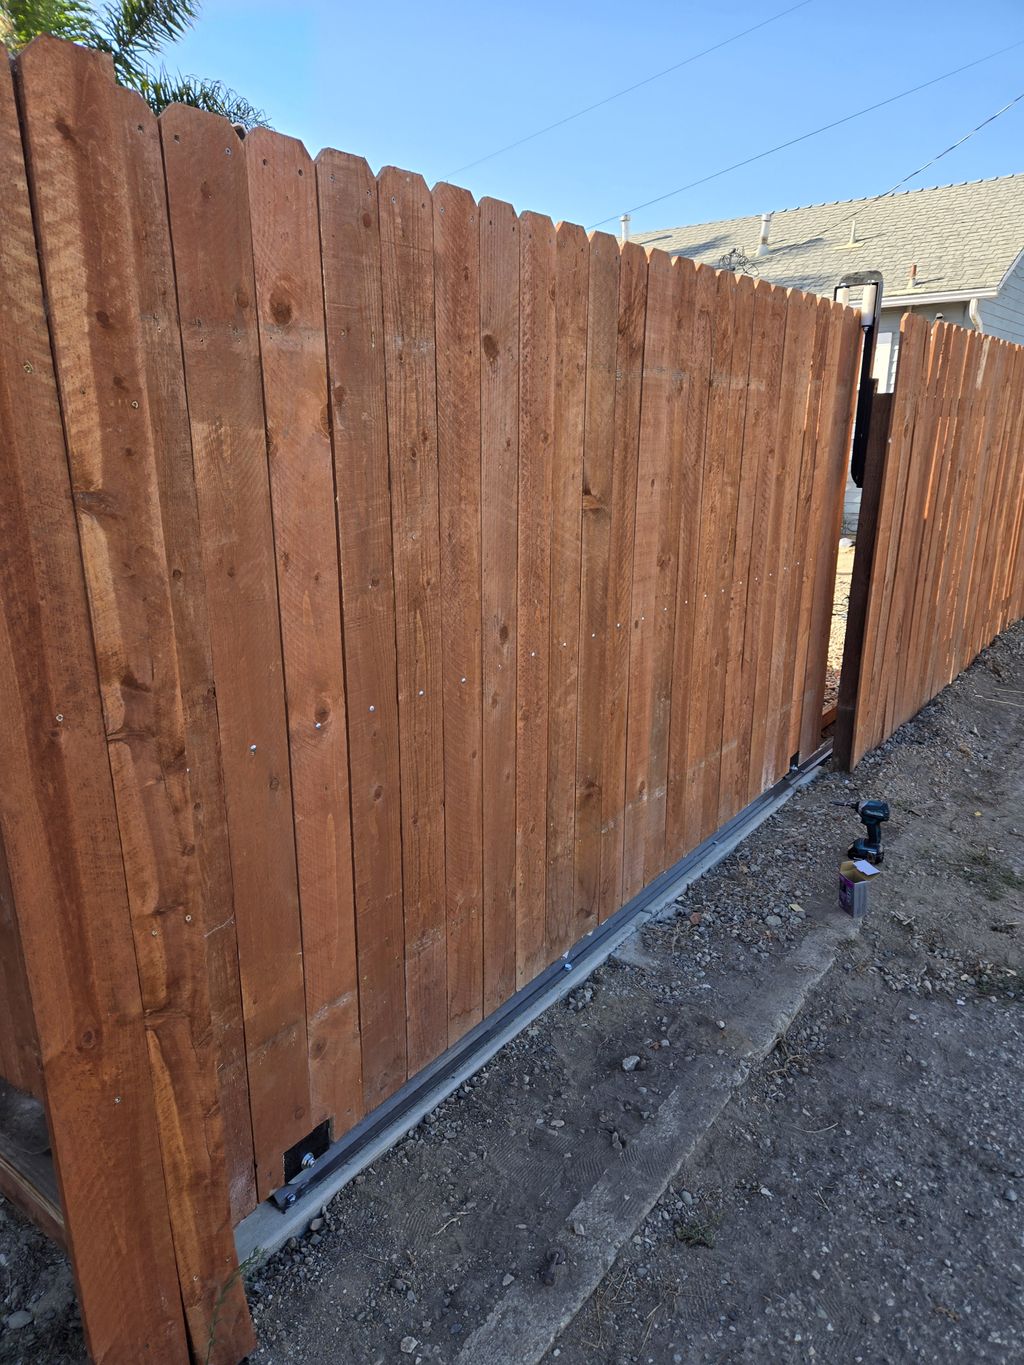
[921, 169]
[608, 99]
[815, 132]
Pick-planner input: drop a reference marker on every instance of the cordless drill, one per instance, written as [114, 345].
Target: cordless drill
[873, 815]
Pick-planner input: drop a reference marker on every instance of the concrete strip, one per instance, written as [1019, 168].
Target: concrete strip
[525, 1323]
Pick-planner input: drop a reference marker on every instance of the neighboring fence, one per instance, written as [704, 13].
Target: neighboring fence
[939, 570]
[393, 587]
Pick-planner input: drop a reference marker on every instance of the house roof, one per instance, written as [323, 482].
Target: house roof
[962, 238]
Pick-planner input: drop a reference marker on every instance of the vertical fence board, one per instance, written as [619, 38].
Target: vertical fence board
[407, 269]
[536, 436]
[350, 238]
[594, 647]
[499, 478]
[572, 274]
[210, 234]
[748, 767]
[457, 305]
[834, 428]
[59, 828]
[290, 313]
[686, 663]
[742, 590]
[622, 492]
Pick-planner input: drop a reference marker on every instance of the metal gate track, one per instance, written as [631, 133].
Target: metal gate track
[271, 1224]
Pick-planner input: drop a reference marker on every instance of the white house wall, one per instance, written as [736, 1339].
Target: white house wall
[1003, 316]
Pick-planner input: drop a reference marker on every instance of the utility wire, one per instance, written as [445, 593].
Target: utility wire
[560, 123]
[951, 148]
[815, 132]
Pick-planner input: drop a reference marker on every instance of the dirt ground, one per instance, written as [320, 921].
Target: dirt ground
[859, 1200]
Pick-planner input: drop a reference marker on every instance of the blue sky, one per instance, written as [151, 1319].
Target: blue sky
[432, 87]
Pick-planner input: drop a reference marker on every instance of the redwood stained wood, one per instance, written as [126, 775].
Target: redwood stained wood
[211, 238]
[685, 661]
[629, 362]
[729, 397]
[572, 278]
[676, 534]
[771, 711]
[59, 827]
[662, 398]
[290, 312]
[596, 540]
[457, 325]
[19, 1045]
[536, 436]
[808, 507]
[350, 240]
[407, 272]
[741, 585]
[499, 478]
[90, 218]
[835, 427]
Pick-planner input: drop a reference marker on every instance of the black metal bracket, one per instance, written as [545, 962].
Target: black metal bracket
[871, 282]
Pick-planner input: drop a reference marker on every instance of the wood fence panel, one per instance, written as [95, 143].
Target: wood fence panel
[572, 279]
[281, 182]
[59, 829]
[536, 435]
[350, 239]
[457, 303]
[499, 530]
[407, 270]
[451, 575]
[211, 238]
[948, 519]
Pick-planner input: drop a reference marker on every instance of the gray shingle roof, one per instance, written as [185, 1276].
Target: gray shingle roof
[963, 239]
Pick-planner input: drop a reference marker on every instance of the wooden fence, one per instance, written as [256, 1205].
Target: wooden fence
[939, 570]
[393, 586]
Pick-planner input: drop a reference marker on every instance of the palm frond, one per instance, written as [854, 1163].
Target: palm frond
[160, 89]
[22, 20]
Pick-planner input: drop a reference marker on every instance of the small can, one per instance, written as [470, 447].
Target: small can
[855, 877]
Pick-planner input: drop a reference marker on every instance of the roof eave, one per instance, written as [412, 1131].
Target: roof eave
[947, 296]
